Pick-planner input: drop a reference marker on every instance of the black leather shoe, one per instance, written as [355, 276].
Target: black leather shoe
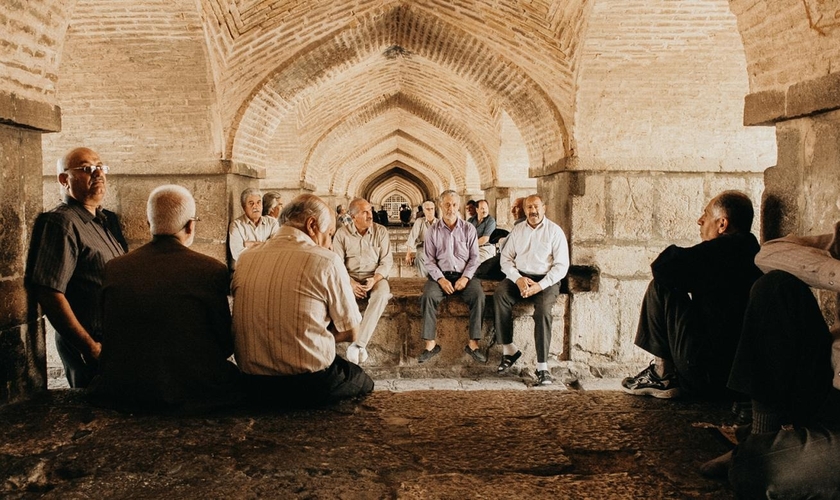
[508, 361]
[427, 354]
[476, 354]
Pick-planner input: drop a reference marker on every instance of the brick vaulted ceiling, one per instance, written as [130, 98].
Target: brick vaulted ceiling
[422, 83]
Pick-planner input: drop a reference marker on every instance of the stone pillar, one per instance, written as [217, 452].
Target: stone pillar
[22, 346]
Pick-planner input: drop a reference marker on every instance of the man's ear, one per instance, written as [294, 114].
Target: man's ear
[723, 225]
[62, 179]
[190, 227]
[311, 226]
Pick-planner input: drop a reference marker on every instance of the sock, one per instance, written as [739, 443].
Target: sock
[509, 349]
[765, 418]
[542, 366]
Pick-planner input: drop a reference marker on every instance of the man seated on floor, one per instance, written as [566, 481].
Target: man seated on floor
[292, 302]
[787, 362]
[693, 309]
[534, 260]
[166, 318]
[414, 253]
[451, 257]
[252, 227]
[365, 249]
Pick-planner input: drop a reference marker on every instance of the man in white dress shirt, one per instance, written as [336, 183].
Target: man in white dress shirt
[534, 260]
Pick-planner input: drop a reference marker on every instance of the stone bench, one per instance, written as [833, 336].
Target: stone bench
[396, 343]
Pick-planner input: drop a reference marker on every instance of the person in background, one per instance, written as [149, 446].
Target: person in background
[415, 253]
[485, 224]
[272, 204]
[252, 227]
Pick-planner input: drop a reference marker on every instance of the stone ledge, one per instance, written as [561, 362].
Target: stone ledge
[30, 114]
[805, 98]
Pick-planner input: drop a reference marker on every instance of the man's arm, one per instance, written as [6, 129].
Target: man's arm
[386, 260]
[472, 247]
[430, 250]
[810, 258]
[64, 320]
[236, 240]
[489, 227]
[560, 263]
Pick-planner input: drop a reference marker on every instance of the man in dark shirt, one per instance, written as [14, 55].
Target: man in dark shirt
[693, 309]
[70, 246]
[166, 318]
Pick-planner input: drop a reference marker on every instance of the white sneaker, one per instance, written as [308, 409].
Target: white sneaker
[363, 354]
[353, 352]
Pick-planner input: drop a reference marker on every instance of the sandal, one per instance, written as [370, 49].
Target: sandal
[508, 361]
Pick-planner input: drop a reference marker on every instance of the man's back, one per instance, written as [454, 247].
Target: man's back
[167, 326]
[284, 298]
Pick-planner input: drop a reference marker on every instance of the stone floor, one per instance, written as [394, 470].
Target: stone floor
[398, 443]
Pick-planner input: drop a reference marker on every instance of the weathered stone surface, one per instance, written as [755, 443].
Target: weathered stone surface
[424, 444]
[632, 207]
[680, 202]
[764, 108]
[589, 211]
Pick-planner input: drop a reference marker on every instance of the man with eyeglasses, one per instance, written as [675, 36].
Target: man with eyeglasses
[166, 318]
[69, 248]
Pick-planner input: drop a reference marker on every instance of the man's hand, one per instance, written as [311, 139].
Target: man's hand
[409, 258]
[368, 284]
[359, 289]
[251, 243]
[461, 283]
[96, 350]
[528, 287]
[446, 286]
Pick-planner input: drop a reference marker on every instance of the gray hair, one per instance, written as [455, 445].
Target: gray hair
[270, 200]
[448, 192]
[249, 192]
[353, 208]
[169, 209]
[304, 207]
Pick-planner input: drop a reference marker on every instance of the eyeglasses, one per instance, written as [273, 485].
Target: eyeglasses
[90, 169]
[196, 218]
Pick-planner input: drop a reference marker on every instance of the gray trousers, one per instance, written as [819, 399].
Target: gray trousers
[433, 294]
[506, 295]
[377, 300]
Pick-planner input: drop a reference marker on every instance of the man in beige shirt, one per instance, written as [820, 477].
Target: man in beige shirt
[292, 301]
[252, 227]
[365, 248]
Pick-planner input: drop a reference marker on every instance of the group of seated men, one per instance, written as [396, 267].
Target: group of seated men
[152, 327]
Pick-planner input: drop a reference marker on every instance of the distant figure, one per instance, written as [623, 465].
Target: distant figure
[365, 249]
[252, 227]
[472, 212]
[405, 215]
[693, 309]
[415, 253]
[305, 301]
[485, 224]
[534, 260]
[166, 318]
[516, 211]
[343, 217]
[383, 217]
[451, 249]
[65, 268]
[272, 204]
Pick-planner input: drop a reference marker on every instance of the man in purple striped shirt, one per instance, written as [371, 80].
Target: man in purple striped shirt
[451, 251]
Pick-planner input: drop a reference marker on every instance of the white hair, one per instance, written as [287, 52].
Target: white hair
[249, 192]
[169, 209]
[304, 207]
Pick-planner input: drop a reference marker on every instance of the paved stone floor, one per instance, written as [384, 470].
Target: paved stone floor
[532, 443]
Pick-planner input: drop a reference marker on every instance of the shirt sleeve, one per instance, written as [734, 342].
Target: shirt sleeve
[814, 266]
[55, 253]
[338, 244]
[430, 250]
[411, 242]
[489, 227]
[236, 240]
[472, 245]
[342, 307]
[560, 256]
[386, 260]
[508, 256]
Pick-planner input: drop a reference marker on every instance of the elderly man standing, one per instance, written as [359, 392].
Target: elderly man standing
[451, 256]
[693, 309]
[415, 253]
[365, 249]
[534, 260]
[292, 302]
[166, 317]
[252, 227]
[69, 249]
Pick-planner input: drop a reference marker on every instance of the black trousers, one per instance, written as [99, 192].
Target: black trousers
[506, 295]
[79, 373]
[784, 360]
[671, 328]
[341, 380]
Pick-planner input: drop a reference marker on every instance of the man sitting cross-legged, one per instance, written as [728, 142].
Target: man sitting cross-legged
[365, 249]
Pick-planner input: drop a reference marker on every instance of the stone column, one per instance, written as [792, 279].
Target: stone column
[22, 348]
